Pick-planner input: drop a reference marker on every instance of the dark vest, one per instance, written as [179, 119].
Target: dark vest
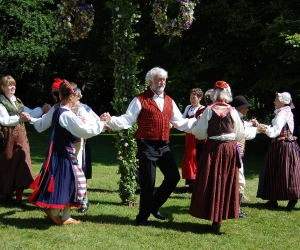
[219, 125]
[152, 123]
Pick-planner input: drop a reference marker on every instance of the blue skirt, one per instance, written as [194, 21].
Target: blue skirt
[64, 193]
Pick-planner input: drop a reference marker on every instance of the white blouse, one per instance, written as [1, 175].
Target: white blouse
[277, 124]
[7, 120]
[200, 130]
[191, 111]
[71, 122]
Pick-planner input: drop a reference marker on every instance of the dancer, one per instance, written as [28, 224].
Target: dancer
[215, 195]
[153, 111]
[61, 183]
[83, 148]
[242, 106]
[16, 172]
[280, 175]
[189, 161]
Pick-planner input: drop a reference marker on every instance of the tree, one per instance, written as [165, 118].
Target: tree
[27, 38]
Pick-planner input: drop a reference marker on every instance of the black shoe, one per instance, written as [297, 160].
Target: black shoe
[20, 204]
[83, 208]
[272, 203]
[189, 189]
[291, 205]
[242, 214]
[216, 227]
[158, 215]
[144, 223]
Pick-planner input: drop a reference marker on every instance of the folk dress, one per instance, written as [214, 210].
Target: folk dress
[280, 175]
[189, 161]
[15, 169]
[63, 184]
[215, 194]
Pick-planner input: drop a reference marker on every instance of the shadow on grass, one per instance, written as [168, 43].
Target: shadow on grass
[178, 226]
[263, 206]
[25, 223]
[45, 223]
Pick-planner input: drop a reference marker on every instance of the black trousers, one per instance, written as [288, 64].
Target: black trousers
[150, 154]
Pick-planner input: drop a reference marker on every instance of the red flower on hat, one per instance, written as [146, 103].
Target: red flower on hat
[220, 85]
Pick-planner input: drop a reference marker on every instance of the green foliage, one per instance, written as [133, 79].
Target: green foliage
[27, 35]
[240, 42]
[293, 40]
[124, 16]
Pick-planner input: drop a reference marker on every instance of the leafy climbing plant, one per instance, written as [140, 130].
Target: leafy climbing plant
[125, 15]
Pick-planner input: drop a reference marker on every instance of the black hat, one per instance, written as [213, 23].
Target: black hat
[240, 102]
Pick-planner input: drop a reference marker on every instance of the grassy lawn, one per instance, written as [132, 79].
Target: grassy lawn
[109, 225]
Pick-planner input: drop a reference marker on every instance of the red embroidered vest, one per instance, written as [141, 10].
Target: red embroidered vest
[152, 123]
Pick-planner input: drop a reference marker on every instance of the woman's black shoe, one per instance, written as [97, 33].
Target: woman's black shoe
[216, 227]
[272, 203]
[20, 204]
[291, 205]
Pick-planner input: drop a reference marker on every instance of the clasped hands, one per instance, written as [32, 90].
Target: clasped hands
[260, 127]
[105, 118]
[24, 117]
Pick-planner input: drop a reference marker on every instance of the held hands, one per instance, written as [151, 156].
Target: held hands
[46, 107]
[262, 128]
[105, 118]
[24, 117]
[254, 122]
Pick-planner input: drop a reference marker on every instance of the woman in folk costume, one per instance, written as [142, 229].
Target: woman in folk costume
[61, 183]
[83, 148]
[216, 190]
[280, 176]
[16, 172]
[189, 161]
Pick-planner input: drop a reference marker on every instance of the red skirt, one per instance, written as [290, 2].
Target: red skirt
[189, 163]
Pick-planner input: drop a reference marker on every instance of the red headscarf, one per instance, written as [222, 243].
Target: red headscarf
[56, 83]
[220, 85]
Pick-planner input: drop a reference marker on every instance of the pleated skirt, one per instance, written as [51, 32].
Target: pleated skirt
[280, 175]
[216, 191]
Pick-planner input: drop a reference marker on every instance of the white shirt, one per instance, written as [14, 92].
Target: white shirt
[69, 121]
[126, 120]
[7, 120]
[200, 130]
[250, 131]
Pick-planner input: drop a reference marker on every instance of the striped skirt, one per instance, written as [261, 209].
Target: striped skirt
[280, 175]
[216, 191]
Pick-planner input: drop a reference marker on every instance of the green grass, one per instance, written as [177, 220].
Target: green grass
[110, 225]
